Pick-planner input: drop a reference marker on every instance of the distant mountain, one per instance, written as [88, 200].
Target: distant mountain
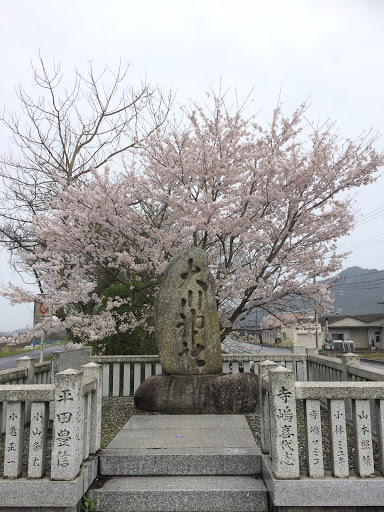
[358, 291]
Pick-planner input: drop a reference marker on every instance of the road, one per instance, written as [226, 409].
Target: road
[10, 361]
[250, 348]
[364, 362]
[378, 365]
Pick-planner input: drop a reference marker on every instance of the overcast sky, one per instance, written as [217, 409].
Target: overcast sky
[331, 51]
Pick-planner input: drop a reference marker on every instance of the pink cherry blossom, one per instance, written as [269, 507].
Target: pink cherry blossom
[263, 202]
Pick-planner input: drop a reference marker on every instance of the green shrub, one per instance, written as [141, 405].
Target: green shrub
[139, 341]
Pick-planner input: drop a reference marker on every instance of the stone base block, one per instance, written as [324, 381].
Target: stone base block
[323, 494]
[199, 394]
[45, 495]
[182, 494]
[153, 445]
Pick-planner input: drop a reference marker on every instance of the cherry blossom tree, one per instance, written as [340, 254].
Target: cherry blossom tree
[264, 202]
[72, 126]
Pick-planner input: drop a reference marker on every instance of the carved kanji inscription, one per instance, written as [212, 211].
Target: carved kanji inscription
[187, 324]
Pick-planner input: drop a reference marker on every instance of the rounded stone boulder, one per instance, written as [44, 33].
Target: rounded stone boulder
[198, 394]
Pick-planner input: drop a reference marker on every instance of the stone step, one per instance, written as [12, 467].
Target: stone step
[181, 494]
[182, 445]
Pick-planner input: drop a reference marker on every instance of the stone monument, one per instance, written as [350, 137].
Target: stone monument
[186, 320]
[188, 338]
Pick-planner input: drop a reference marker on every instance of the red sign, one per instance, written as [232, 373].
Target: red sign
[41, 311]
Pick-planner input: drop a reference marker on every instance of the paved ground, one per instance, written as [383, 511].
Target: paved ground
[379, 365]
[376, 364]
[182, 445]
[10, 361]
[250, 348]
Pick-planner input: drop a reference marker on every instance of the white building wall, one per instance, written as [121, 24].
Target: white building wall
[307, 340]
[360, 337]
[335, 331]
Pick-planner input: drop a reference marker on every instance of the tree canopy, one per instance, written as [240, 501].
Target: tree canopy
[263, 201]
[75, 124]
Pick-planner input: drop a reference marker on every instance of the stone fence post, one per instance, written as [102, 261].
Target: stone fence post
[95, 370]
[265, 429]
[68, 425]
[29, 364]
[284, 441]
[299, 350]
[349, 360]
[311, 352]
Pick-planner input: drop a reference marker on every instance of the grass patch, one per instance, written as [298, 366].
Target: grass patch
[6, 353]
[379, 356]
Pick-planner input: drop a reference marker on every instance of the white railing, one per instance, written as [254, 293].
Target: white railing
[122, 375]
[42, 373]
[279, 424]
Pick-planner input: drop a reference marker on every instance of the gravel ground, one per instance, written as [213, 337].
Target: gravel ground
[117, 411]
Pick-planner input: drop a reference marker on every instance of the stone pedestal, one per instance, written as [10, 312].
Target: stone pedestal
[188, 337]
[199, 394]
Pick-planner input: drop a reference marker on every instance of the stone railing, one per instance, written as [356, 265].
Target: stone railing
[346, 369]
[280, 423]
[233, 363]
[27, 371]
[122, 375]
[76, 402]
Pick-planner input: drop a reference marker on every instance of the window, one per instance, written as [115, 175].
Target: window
[336, 336]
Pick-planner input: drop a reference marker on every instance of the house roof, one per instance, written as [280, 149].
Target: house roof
[369, 318]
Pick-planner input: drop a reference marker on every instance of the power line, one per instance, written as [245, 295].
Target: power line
[369, 220]
[361, 246]
[363, 217]
[359, 284]
[354, 288]
[349, 286]
[364, 274]
[365, 240]
[372, 211]
[359, 288]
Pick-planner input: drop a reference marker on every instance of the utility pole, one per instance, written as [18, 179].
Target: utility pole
[316, 321]
[40, 313]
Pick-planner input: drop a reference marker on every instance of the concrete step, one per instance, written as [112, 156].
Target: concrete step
[181, 494]
[182, 445]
